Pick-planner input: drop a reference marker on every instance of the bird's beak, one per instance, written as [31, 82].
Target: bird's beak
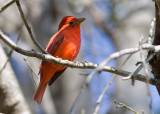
[80, 20]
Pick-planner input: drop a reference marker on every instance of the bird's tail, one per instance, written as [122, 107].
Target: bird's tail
[40, 92]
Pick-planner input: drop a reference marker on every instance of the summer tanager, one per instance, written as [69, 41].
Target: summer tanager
[64, 44]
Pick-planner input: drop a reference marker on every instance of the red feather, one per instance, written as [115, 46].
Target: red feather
[64, 44]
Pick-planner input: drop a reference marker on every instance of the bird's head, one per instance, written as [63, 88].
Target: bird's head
[70, 21]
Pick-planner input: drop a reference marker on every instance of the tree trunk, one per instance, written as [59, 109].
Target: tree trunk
[11, 98]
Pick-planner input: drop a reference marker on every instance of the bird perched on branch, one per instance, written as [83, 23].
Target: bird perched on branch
[64, 44]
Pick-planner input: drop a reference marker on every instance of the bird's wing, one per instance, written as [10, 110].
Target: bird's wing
[52, 47]
[54, 44]
[55, 76]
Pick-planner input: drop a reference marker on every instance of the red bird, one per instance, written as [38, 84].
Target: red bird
[64, 44]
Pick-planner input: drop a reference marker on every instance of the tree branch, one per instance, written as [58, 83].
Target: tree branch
[7, 5]
[28, 28]
[83, 65]
[122, 105]
[119, 54]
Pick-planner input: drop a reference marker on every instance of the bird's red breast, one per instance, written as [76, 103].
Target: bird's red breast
[64, 44]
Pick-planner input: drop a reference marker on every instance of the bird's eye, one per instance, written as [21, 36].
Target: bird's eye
[70, 23]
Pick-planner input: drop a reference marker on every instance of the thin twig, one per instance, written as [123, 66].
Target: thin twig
[150, 37]
[4, 66]
[133, 74]
[146, 72]
[122, 105]
[151, 31]
[11, 51]
[72, 111]
[28, 28]
[32, 71]
[106, 88]
[117, 55]
[84, 65]
[102, 94]
[6, 5]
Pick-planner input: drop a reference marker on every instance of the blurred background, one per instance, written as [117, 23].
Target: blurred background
[110, 25]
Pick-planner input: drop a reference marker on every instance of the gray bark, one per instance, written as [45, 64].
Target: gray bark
[11, 98]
